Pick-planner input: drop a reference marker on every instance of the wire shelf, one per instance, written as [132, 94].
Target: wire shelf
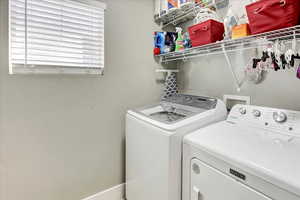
[249, 42]
[183, 15]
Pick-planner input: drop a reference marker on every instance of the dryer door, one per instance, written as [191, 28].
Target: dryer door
[208, 183]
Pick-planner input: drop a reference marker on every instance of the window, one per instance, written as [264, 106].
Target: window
[56, 36]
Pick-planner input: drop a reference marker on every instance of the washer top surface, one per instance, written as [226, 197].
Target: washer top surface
[177, 110]
[262, 144]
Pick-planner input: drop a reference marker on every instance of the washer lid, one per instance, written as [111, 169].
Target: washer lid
[175, 117]
[169, 113]
[180, 110]
[270, 155]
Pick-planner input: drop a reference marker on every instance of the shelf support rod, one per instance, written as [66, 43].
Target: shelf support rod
[229, 64]
[294, 43]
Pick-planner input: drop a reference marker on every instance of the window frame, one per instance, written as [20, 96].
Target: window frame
[51, 69]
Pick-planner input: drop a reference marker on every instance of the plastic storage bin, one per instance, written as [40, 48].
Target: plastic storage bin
[240, 31]
[206, 32]
[269, 15]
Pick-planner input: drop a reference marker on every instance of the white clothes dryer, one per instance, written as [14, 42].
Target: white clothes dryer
[253, 155]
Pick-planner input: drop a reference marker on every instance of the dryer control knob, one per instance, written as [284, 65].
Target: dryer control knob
[279, 117]
[243, 110]
[256, 113]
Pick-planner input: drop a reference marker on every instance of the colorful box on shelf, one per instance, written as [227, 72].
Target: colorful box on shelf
[206, 32]
[240, 31]
[269, 15]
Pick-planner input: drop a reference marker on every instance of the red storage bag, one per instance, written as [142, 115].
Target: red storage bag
[269, 15]
[206, 32]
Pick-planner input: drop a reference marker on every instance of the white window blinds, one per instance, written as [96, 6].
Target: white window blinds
[56, 36]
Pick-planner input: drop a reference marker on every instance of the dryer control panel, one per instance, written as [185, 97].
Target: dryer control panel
[282, 121]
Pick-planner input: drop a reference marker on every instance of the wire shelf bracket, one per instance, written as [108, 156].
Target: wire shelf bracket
[230, 66]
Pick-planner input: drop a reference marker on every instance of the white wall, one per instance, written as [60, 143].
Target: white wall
[62, 137]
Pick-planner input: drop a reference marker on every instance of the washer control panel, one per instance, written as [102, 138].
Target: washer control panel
[194, 101]
[283, 121]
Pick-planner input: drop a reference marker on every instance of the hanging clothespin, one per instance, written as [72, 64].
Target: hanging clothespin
[265, 50]
[277, 53]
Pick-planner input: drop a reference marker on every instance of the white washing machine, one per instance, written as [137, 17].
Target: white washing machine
[154, 144]
[253, 155]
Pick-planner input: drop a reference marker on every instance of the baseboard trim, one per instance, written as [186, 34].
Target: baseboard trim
[114, 193]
